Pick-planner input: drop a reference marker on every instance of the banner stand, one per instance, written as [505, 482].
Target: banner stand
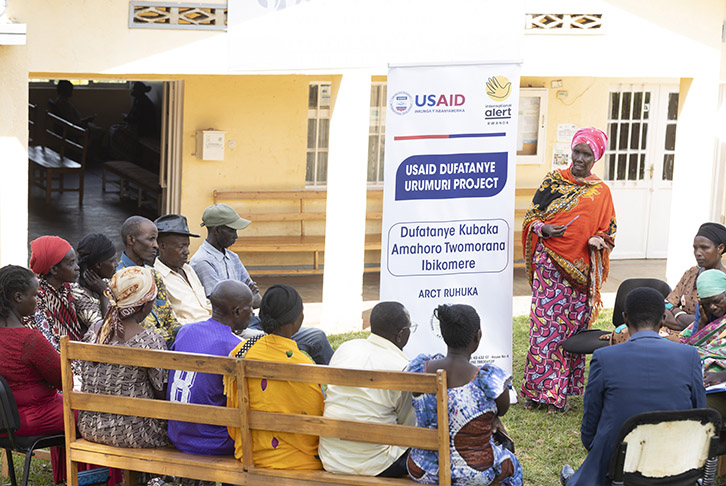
[448, 201]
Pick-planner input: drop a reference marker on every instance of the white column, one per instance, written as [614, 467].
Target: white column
[346, 205]
[693, 169]
[14, 156]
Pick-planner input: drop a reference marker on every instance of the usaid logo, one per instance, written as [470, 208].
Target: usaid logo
[401, 102]
[440, 100]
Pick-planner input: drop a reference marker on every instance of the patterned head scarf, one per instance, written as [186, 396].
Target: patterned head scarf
[594, 138]
[47, 251]
[710, 283]
[129, 290]
[714, 232]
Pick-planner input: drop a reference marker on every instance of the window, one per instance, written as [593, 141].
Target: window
[377, 134]
[81, 83]
[531, 125]
[628, 123]
[669, 146]
[634, 154]
[316, 168]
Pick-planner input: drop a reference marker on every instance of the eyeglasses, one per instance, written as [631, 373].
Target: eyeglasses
[412, 327]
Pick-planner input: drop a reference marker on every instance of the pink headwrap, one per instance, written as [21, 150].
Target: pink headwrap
[594, 138]
[47, 251]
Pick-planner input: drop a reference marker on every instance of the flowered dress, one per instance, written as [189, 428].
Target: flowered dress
[475, 458]
[566, 277]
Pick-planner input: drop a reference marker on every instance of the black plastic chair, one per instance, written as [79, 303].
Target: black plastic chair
[588, 340]
[644, 454]
[633, 283]
[9, 423]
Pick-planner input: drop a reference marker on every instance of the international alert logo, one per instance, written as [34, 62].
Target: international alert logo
[498, 88]
[401, 102]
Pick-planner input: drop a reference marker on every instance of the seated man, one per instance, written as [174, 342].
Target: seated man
[186, 292]
[232, 308]
[140, 247]
[643, 374]
[214, 262]
[390, 328]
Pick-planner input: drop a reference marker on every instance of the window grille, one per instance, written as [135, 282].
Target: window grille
[174, 15]
[561, 23]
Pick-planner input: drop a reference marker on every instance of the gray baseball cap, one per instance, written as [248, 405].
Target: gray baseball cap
[222, 215]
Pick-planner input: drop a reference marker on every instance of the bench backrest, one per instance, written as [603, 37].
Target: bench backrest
[62, 136]
[298, 206]
[248, 420]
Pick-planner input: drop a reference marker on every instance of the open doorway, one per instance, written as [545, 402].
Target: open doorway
[132, 142]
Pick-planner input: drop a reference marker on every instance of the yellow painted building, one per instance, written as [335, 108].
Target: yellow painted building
[253, 71]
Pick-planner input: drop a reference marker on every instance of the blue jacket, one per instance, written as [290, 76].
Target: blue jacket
[643, 374]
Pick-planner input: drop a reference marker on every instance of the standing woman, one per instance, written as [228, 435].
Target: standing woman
[53, 260]
[568, 233]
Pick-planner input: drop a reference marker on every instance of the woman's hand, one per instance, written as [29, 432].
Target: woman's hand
[553, 230]
[596, 242]
[710, 379]
[94, 282]
[497, 425]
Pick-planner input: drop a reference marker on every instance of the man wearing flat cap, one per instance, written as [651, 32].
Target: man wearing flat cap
[186, 292]
[214, 262]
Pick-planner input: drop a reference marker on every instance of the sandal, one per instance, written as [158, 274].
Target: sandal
[552, 409]
[530, 404]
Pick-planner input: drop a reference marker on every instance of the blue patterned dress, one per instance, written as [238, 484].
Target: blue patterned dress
[475, 458]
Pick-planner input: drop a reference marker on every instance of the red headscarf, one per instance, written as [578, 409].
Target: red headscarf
[594, 138]
[47, 251]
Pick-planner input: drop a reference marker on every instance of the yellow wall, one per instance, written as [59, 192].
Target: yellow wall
[267, 117]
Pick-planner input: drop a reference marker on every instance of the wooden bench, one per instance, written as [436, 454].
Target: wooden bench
[302, 209]
[62, 151]
[306, 211]
[170, 461]
[133, 179]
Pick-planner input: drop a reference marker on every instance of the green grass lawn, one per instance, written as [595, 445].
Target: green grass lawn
[543, 442]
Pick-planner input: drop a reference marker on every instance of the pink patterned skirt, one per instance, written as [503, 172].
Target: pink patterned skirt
[558, 311]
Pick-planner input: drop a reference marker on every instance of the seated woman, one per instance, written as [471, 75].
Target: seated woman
[682, 303]
[281, 315]
[53, 260]
[29, 363]
[710, 339]
[131, 296]
[97, 263]
[477, 397]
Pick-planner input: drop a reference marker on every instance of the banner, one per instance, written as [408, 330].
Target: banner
[448, 201]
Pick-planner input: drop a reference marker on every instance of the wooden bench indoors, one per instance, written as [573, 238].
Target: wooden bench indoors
[170, 461]
[301, 208]
[62, 151]
[132, 178]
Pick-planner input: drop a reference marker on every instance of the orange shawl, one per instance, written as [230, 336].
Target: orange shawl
[559, 199]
